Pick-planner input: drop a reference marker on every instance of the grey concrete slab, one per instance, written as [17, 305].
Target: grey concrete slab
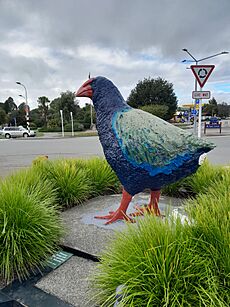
[90, 235]
[70, 282]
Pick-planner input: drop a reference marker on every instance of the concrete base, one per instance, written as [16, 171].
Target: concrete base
[88, 234]
[70, 282]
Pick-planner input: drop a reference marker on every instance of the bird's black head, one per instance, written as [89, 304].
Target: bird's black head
[103, 93]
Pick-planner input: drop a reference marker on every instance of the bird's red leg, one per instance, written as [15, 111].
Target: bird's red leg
[152, 206]
[120, 213]
[154, 200]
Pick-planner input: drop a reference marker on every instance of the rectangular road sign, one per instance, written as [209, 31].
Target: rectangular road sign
[201, 95]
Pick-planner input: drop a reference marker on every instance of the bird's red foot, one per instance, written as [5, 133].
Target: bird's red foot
[114, 216]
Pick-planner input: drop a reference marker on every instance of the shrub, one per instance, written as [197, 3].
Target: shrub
[205, 176]
[158, 264]
[210, 213]
[76, 127]
[71, 183]
[30, 227]
[156, 109]
[49, 129]
[198, 182]
[102, 178]
[33, 182]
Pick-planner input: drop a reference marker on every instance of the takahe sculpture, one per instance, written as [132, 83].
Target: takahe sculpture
[145, 151]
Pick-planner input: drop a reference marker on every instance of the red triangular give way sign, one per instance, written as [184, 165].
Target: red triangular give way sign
[202, 73]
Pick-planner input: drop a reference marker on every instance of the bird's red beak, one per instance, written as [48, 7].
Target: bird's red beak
[85, 90]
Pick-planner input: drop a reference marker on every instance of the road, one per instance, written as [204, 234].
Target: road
[19, 153]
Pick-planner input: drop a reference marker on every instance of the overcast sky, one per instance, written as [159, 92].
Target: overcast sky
[51, 45]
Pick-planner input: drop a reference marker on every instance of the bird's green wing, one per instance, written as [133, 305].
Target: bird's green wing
[152, 143]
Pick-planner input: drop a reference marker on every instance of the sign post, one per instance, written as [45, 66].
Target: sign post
[71, 116]
[62, 124]
[201, 73]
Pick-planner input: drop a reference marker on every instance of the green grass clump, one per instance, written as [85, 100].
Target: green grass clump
[33, 182]
[70, 182]
[198, 182]
[30, 227]
[102, 178]
[77, 180]
[210, 213]
[158, 264]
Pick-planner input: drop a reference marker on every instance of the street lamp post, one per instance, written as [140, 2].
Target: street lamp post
[27, 108]
[200, 101]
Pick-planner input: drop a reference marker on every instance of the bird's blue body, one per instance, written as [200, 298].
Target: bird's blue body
[143, 150]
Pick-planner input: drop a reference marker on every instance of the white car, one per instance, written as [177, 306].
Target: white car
[13, 132]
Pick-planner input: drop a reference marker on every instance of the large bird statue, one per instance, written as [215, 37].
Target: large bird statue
[145, 151]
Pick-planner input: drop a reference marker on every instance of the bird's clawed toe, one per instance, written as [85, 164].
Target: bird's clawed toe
[114, 216]
[103, 217]
[139, 211]
[146, 209]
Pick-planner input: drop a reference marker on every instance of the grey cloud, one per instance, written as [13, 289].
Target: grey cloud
[131, 25]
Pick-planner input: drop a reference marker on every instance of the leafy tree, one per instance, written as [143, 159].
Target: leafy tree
[3, 117]
[9, 105]
[87, 116]
[53, 117]
[35, 117]
[211, 108]
[67, 104]
[156, 109]
[17, 117]
[13, 118]
[223, 109]
[154, 91]
[43, 107]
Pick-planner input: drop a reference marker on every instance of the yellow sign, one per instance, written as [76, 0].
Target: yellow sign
[191, 105]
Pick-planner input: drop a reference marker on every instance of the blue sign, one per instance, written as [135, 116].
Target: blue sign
[194, 112]
[197, 101]
[213, 125]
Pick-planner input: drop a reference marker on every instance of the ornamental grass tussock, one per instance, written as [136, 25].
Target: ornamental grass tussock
[71, 183]
[198, 182]
[102, 177]
[30, 227]
[77, 180]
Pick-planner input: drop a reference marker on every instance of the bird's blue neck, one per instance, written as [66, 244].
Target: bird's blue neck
[106, 105]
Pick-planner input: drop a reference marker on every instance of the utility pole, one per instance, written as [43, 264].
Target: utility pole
[27, 107]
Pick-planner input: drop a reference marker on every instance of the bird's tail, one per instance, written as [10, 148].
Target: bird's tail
[202, 158]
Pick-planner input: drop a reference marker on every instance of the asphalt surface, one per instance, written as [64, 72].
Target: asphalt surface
[19, 153]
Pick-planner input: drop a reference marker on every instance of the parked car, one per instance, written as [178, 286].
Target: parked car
[13, 132]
